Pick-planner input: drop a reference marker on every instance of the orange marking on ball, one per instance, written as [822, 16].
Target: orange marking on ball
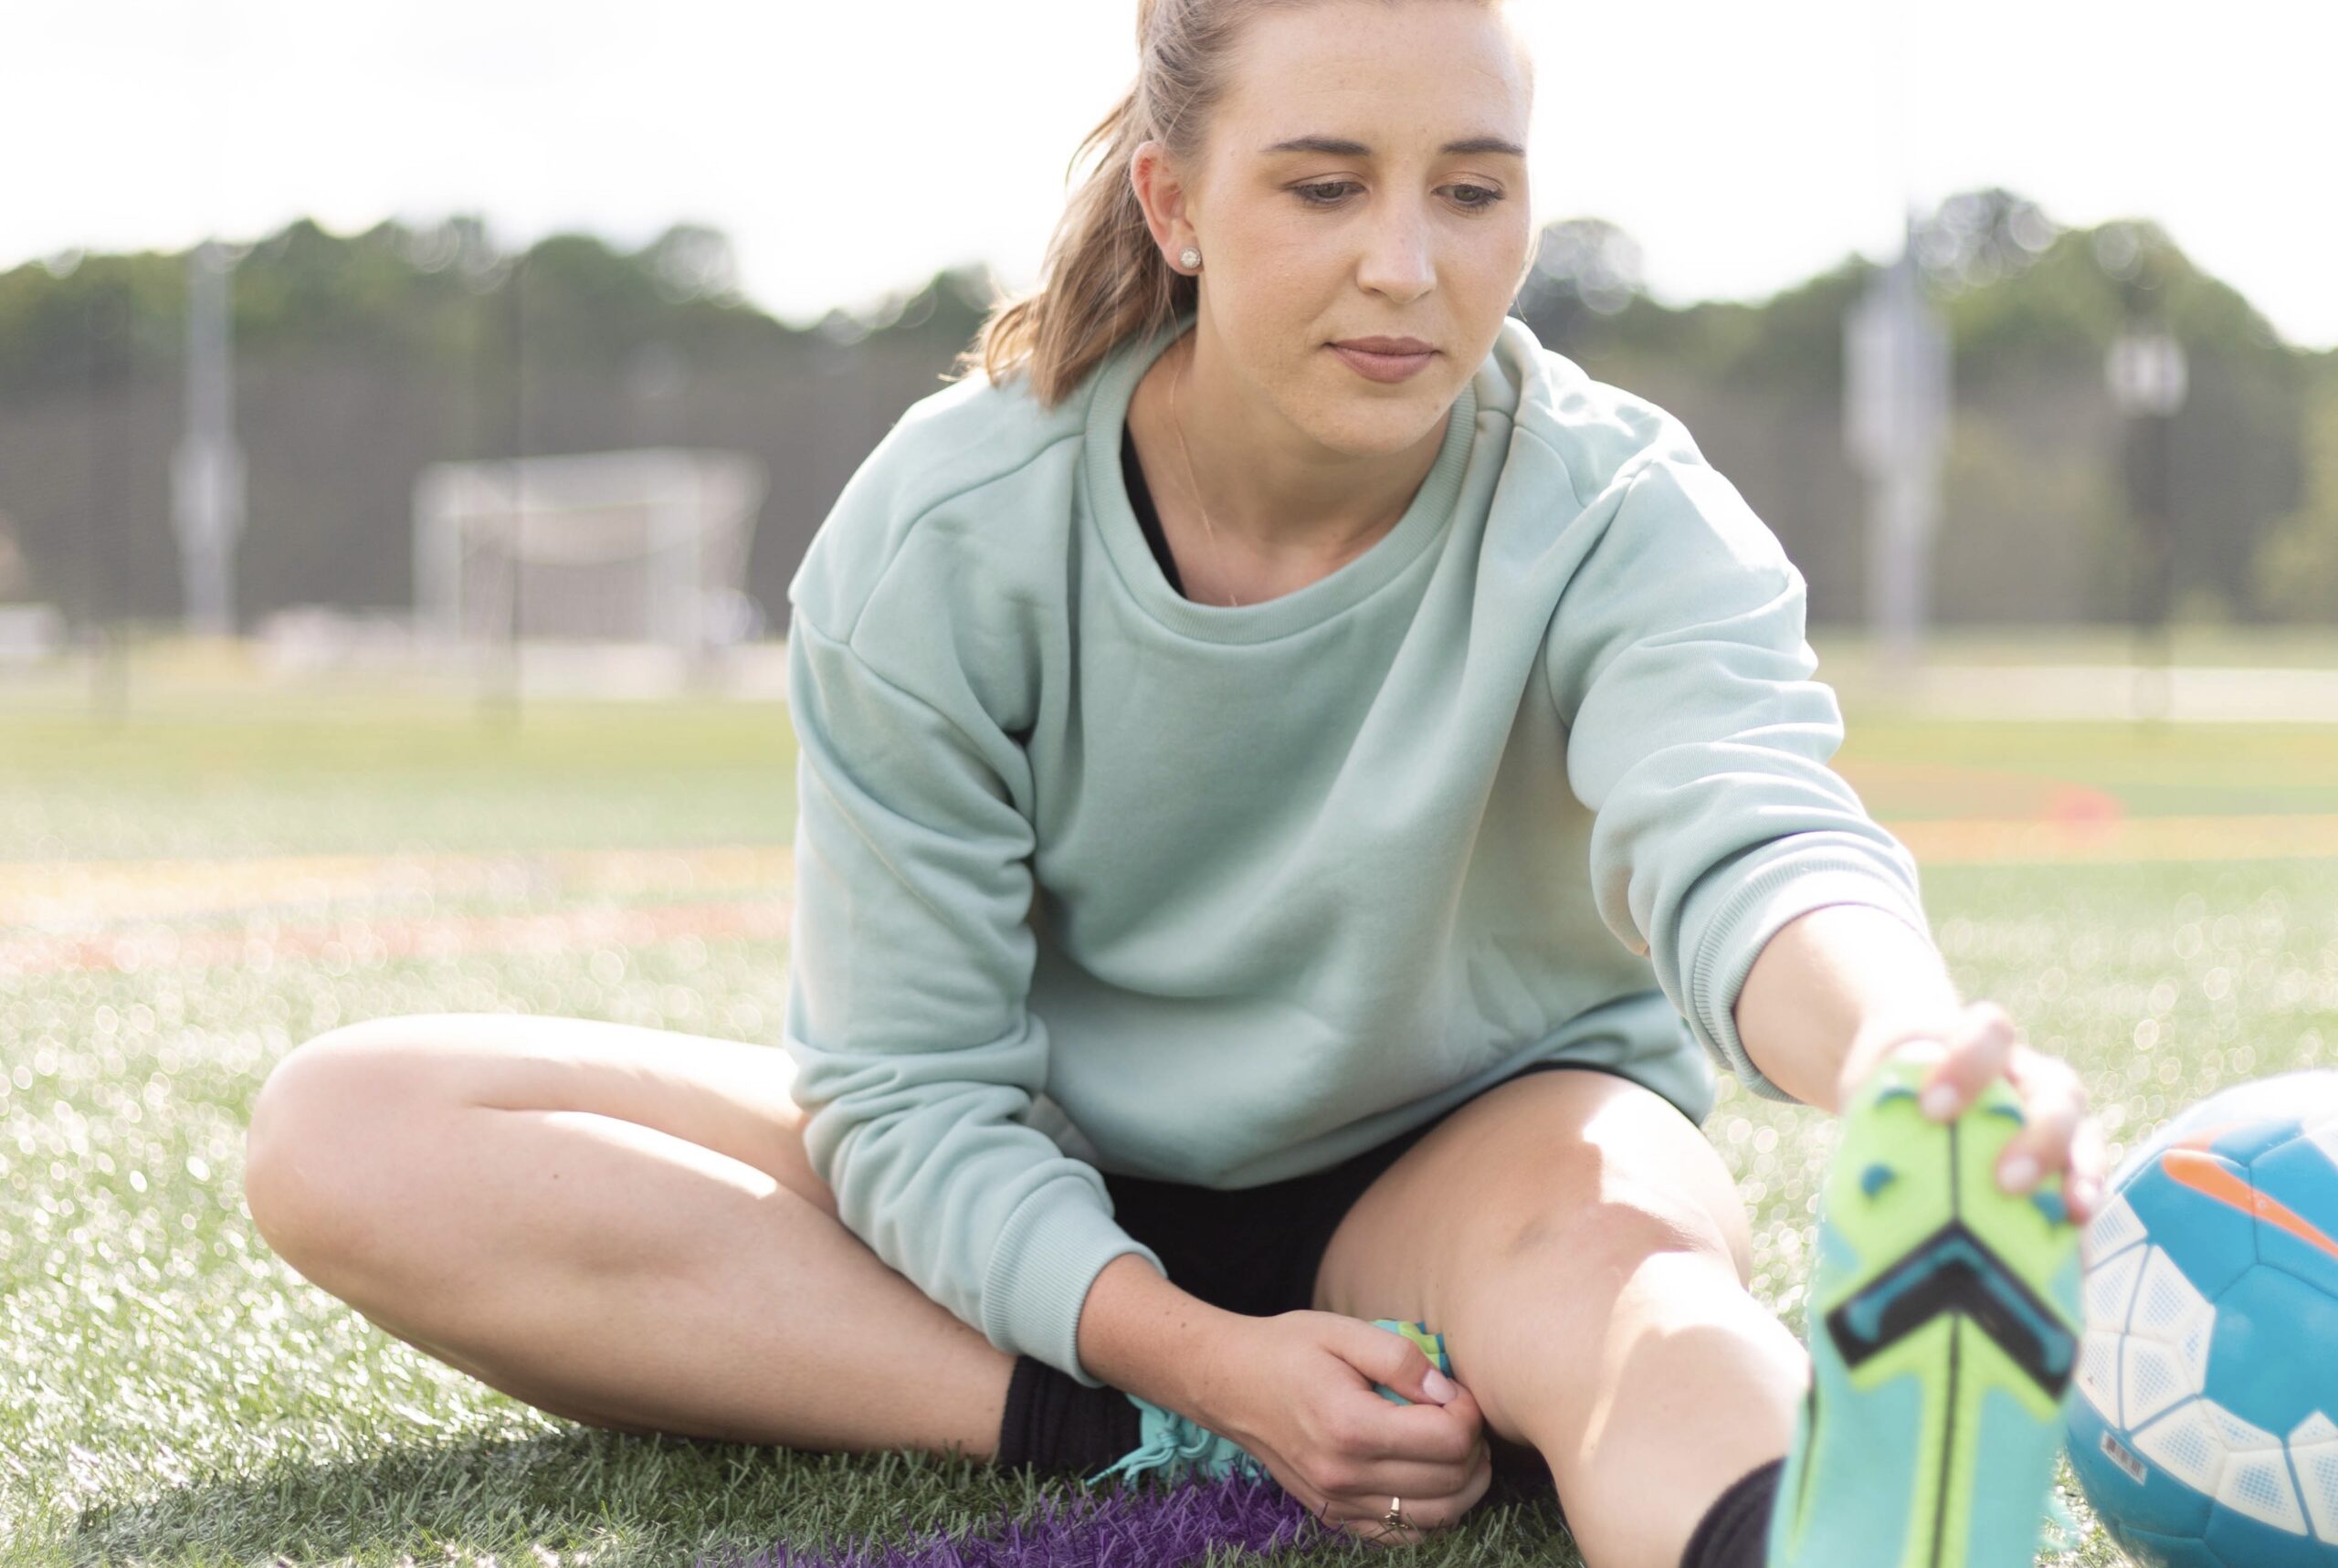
[2208, 1176]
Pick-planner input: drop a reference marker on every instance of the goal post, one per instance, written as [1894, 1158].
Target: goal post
[640, 546]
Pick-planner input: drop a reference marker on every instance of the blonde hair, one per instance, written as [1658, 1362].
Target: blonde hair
[1104, 278]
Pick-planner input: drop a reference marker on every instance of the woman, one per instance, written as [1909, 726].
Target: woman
[1208, 718]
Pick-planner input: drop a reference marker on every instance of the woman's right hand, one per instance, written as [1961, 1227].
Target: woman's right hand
[1296, 1391]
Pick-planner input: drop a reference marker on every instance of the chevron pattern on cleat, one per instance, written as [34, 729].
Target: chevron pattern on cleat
[1956, 1272]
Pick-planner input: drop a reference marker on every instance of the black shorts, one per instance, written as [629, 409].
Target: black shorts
[1255, 1250]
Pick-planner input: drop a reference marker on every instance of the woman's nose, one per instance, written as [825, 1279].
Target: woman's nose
[1396, 260]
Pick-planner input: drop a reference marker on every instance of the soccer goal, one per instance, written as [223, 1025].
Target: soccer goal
[643, 546]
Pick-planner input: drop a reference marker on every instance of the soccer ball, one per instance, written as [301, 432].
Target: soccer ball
[2204, 1426]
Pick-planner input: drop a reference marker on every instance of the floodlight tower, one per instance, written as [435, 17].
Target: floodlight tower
[2146, 374]
[207, 469]
[1896, 388]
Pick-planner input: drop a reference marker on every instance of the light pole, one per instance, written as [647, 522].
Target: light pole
[207, 469]
[2145, 371]
[1896, 384]
[109, 324]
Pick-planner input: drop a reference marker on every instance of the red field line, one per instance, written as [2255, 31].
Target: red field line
[2120, 838]
[128, 916]
[361, 939]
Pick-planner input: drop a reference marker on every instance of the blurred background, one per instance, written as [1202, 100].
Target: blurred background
[287, 291]
[411, 417]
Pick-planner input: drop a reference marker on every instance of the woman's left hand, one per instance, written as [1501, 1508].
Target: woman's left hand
[1982, 1043]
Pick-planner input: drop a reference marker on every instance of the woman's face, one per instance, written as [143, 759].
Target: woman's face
[1406, 216]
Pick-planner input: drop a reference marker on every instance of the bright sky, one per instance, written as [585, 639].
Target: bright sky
[852, 148]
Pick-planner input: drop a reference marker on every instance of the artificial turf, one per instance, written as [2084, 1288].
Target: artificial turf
[173, 1392]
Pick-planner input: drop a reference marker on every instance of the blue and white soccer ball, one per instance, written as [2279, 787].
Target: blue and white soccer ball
[2204, 1423]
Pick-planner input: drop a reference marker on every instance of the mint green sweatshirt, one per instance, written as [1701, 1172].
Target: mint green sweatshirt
[1091, 877]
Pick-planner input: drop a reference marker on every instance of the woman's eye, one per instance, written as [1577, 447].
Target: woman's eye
[1325, 185]
[1306, 194]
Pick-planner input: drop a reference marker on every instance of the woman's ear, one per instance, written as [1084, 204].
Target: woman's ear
[1160, 194]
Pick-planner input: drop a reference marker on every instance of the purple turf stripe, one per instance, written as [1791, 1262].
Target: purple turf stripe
[1153, 1527]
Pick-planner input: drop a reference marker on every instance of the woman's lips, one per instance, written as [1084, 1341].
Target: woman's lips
[1383, 367]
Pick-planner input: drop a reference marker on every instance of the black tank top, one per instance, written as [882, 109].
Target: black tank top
[1140, 499]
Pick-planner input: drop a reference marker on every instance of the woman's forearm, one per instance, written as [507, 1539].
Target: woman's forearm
[1147, 1337]
[1841, 979]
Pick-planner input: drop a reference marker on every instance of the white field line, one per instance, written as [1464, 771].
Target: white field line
[80, 894]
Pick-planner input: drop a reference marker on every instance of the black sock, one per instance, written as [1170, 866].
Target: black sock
[1735, 1531]
[1055, 1422]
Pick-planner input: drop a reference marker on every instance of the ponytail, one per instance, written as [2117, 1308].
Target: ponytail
[1105, 277]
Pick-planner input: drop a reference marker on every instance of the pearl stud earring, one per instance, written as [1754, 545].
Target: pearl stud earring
[1190, 257]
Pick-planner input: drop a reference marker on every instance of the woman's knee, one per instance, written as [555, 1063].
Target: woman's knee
[1637, 1182]
[1613, 1175]
[1610, 1236]
[307, 1169]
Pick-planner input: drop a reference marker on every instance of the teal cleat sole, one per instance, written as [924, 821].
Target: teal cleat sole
[1944, 1323]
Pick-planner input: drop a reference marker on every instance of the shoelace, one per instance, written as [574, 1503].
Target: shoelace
[1167, 1438]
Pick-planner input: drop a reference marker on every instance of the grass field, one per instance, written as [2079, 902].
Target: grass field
[186, 896]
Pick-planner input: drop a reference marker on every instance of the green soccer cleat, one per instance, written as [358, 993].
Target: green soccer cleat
[1943, 1326]
[1177, 1445]
[1432, 1346]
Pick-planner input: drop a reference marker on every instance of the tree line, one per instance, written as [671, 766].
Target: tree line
[360, 358]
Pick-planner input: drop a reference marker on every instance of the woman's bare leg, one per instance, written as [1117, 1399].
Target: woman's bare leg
[614, 1223]
[1585, 1253]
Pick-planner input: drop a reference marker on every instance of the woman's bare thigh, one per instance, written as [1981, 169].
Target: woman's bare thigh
[731, 1097]
[1526, 1158]
[615, 1222]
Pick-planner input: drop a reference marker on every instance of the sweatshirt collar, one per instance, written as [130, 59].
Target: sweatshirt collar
[1108, 504]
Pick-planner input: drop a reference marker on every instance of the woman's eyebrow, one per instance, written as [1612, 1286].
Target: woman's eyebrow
[1340, 147]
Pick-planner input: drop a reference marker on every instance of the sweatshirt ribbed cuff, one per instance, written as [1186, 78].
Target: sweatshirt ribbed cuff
[1779, 892]
[1048, 1254]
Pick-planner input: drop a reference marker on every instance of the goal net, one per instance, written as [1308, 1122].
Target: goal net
[645, 546]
